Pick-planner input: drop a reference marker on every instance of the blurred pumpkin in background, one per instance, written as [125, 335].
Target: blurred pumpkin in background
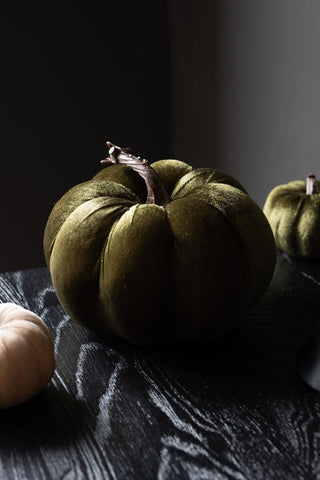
[293, 211]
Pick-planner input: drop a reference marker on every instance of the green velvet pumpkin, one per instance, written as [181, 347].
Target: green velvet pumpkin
[293, 211]
[187, 268]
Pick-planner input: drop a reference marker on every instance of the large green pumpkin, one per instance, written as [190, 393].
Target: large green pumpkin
[157, 254]
[293, 211]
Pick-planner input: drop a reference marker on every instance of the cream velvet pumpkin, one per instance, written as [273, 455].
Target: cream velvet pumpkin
[27, 359]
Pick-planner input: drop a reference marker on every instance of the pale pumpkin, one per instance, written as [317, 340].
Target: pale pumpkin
[158, 253]
[293, 211]
[27, 360]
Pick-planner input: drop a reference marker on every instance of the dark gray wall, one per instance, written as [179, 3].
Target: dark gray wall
[73, 77]
[246, 82]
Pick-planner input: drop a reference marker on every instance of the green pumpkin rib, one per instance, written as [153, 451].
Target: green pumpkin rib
[308, 231]
[200, 178]
[135, 287]
[76, 259]
[289, 223]
[74, 198]
[170, 171]
[253, 231]
[125, 176]
[209, 264]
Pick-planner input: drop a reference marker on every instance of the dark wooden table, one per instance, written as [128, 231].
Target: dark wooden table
[234, 409]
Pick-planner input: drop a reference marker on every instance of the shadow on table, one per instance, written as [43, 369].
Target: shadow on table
[46, 420]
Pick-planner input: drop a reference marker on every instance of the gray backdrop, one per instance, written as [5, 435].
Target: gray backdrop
[246, 83]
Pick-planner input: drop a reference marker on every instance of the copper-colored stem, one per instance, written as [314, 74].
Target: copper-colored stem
[156, 193]
[311, 184]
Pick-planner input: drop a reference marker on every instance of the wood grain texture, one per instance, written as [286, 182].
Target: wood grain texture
[233, 409]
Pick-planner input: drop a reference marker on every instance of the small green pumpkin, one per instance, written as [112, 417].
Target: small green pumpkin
[293, 211]
[158, 253]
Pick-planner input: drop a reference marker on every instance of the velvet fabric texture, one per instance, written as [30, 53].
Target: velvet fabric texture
[294, 218]
[151, 274]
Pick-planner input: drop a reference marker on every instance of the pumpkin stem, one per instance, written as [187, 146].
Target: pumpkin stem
[311, 184]
[156, 193]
